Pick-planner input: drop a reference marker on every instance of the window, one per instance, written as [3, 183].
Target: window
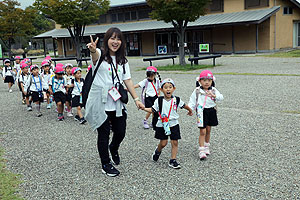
[70, 44]
[133, 15]
[127, 16]
[287, 10]
[102, 19]
[256, 3]
[120, 17]
[144, 14]
[217, 5]
[113, 17]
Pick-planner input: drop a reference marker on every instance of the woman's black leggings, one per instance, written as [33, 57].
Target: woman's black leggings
[118, 125]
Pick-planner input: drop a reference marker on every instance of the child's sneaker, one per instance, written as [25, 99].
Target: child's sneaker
[70, 114]
[206, 150]
[82, 121]
[39, 114]
[77, 118]
[49, 106]
[202, 154]
[145, 124]
[23, 101]
[155, 155]
[29, 108]
[174, 164]
[60, 118]
[110, 170]
[10, 90]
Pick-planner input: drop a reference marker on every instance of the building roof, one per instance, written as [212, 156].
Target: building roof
[225, 19]
[297, 2]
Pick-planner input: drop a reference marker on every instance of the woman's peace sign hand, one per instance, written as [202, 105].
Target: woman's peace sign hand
[93, 44]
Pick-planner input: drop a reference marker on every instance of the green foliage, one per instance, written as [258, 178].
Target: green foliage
[8, 181]
[70, 13]
[288, 54]
[178, 10]
[14, 21]
[181, 67]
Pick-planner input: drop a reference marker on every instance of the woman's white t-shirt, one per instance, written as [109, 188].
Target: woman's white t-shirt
[104, 78]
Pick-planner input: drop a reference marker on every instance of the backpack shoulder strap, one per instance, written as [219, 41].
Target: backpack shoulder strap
[124, 71]
[177, 100]
[160, 103]
[97, 67]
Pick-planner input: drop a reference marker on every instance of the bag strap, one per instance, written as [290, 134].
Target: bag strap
[114, 68]
[160, 102]
[97, 67]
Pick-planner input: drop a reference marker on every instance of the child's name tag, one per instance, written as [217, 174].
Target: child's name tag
[114, 93]
[200, 116]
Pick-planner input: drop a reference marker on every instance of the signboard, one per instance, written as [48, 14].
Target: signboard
[1, 51]
[162, 50]
[203, 48]
[185, 45]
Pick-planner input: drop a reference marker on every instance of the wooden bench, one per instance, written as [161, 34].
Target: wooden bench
[213, 56]
[79, 61]
[62, 59]
[160, 58]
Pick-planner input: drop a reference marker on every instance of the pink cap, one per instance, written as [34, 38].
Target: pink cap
[17, 57]
[75, 69]
[59, 69]
[206, 74]
[32, 67]
[48, 58]
[151, 69]
[45, 62]
[23, 65]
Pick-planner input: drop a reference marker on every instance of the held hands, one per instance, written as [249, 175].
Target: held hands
[190, 113]
[139, 105]
[92, 45]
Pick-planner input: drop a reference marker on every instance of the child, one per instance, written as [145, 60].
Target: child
[76, 92]
[46, 74]
[58, 89]
[17, 63]
[150, 91]
[23, 78]
[8, 74]
[50, 62]
[167, 124]
[203, 100]
[69, 77]
[35, 83]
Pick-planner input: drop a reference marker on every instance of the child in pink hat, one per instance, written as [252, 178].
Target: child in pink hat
[203, 101]
[68, 75]
[150, 91]
[47, 73]
[57, 87]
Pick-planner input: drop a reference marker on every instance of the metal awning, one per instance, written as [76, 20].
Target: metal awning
[225, 19]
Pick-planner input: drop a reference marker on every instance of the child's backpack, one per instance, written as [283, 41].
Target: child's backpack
[73, 82]
[160, 103]
[143, 94]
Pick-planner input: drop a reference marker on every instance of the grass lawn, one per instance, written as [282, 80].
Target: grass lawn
[187, 67]
[289, 54]
[8, 181]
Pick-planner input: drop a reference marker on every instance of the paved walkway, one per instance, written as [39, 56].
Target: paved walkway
[255, 149]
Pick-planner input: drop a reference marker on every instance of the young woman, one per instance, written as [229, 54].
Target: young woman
[109, 111]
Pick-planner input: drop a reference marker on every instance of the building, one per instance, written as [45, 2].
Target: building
[231, 26]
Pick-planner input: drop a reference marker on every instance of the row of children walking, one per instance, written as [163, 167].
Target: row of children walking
[164, 108]
[62, 83]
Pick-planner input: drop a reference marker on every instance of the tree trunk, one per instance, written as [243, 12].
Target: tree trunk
[9, 47]
[181, 46]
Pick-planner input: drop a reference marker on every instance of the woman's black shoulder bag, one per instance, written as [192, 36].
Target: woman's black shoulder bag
[88, 81]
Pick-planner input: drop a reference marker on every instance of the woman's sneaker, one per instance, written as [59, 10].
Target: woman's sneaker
[174, 164]
[110, 170]
[155, 155]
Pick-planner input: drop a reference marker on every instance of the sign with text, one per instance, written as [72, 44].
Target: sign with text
[203, 48]
[1, 51]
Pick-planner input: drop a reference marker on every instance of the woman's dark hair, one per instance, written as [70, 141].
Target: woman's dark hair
[120, 54]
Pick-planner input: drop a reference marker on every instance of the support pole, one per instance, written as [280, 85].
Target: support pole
[256, 45]
[45, 49]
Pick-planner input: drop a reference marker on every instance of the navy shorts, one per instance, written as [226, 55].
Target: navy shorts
[175, 133]
[9, 79]
[149, 101]
[210, 117]
[59, 97]
[76, 101]
[36, 96]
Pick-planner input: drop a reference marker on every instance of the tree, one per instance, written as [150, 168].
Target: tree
[14, 22]
[73, 15]
[179, 13]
